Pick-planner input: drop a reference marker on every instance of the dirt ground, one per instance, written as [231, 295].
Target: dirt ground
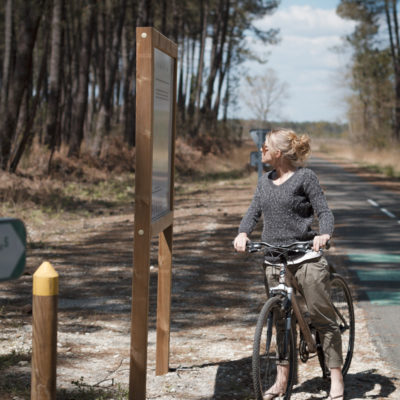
[216, 297]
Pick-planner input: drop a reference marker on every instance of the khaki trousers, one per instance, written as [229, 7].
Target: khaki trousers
[314, 282]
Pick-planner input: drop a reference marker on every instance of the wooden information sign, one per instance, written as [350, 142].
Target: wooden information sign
[156, 65]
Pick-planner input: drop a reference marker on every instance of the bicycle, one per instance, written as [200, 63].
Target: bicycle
[285, 298]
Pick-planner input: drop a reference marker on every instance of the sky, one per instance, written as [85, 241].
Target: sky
[304, 58]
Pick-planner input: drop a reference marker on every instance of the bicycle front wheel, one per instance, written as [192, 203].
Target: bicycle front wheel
[344, 310]
[269, 349]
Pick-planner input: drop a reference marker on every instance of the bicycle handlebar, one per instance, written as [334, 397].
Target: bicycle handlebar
[305, 246]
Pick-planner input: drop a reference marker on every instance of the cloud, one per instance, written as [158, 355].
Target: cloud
[306, 21]
[300, 51]
[305, 58]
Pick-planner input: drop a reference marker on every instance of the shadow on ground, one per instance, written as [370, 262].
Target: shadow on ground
[367, 384]
[234, 381]
[370, 384]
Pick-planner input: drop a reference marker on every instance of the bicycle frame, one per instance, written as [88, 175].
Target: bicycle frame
[287, 283]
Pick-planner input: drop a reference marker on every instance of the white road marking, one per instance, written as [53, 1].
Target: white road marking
[388, 213]
[374, 203]
[384, 210]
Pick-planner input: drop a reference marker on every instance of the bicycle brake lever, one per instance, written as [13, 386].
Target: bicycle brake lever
[252, 247]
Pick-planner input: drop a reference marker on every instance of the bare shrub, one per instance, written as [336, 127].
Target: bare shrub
[187, 157]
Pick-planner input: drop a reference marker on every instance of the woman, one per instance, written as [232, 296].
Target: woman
[288, 197]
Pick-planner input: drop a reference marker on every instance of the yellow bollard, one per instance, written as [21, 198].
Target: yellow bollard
[44, 333]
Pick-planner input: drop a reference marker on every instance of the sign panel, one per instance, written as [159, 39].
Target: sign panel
[258, 136]
[162, 133]
[255, 158]
[12, 248]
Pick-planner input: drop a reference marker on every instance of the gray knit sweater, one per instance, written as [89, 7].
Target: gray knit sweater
[288, 209]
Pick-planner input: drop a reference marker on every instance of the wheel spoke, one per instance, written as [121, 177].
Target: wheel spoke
[266, 354]
[343, 305]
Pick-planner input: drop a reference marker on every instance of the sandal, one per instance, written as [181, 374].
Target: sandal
[340, 396]
[272, 395]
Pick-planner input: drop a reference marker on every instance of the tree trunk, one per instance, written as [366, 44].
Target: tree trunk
[149, 12]
[220, 30]
[186, 88]
[7, 68]
[223, 70]
[28, 133]
[175, 21]
[100, 45]
[103, 117]
[52, 121]
[213, 61]
[200, 69]
[30, 14]
[69, 75]
[397, 72]
[226, 100]
[395, 52]
[190, 78]
[79, 107]
[128, 72]
[164, 11]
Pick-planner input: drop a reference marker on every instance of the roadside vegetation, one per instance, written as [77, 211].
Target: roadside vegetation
[68, 92]
[90, 187]
[68, 69]
[382, 161]
[373, 73]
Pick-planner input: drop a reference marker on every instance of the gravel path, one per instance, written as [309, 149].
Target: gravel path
[215, 301]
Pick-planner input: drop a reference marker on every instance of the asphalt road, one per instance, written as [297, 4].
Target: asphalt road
[367, 233]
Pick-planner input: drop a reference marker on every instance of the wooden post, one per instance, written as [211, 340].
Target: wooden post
[44, 333]
[156, 59]
[142, 232]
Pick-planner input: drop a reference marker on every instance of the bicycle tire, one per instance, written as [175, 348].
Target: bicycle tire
[264, 358]
[343, 303]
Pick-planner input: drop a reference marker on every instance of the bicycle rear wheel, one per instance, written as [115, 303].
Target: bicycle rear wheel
[343, 305]
[266, 353]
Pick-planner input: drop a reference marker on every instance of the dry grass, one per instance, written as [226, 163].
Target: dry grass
[385, 161]
[191, 163]
[116, 157]
[76, 188]
[83, 185]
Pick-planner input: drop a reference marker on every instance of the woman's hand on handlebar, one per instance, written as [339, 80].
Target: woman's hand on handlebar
[240, 242]
[320, 241]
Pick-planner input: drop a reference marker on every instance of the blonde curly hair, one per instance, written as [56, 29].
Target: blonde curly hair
[296, 149]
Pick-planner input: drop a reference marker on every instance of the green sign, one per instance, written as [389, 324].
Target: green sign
[12, 248]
